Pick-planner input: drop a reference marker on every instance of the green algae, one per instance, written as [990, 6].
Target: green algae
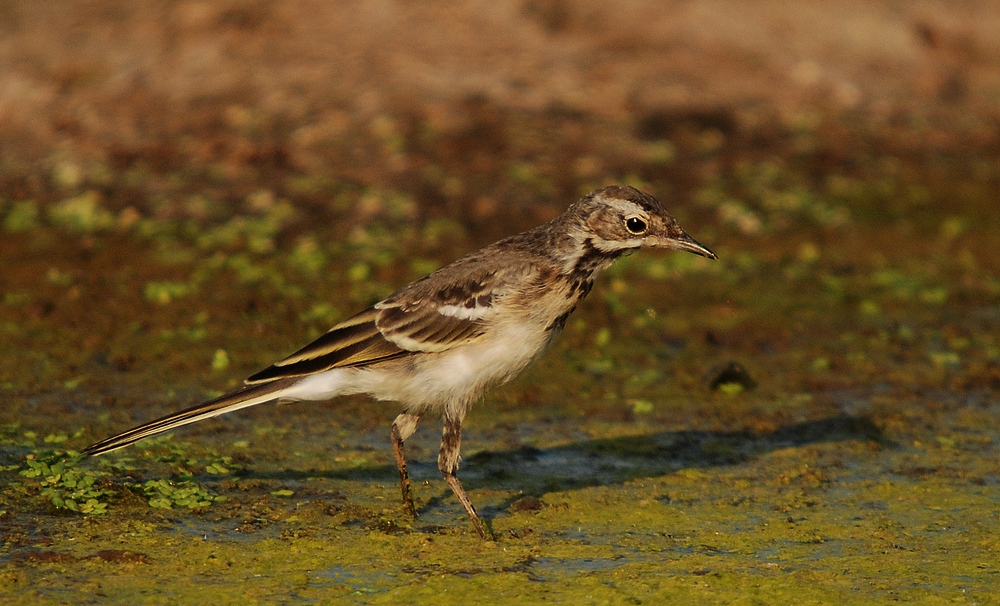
[859, 466]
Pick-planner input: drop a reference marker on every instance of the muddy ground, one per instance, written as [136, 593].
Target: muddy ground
[191, 190]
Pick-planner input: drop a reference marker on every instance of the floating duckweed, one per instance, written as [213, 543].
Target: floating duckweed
[641, 407]
[164, 494]
[820, 364]
[736, 213]
[23, 217]
[710, 141]
[220, 361]
[307, 256]
[637, 182]
[165, 292]
[248, 269]
[65, 486]
[934, 296]
[731, 389]
[952, 227]
[949, 359]
[321, 312]
[422, 267]
[359, 272]
[82, 213]
[946, 441]
[443, 229]
[659, 152]
[255, 234]
[217, 469]
[386, 128]
[808, 253]
[523, 172]
[959, 343]
[869, 308]
[67, 174]
[56, 276]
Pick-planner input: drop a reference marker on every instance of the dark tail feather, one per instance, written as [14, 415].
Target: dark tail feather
[248, 396]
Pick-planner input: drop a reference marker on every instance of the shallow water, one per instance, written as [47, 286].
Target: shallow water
[859, 465]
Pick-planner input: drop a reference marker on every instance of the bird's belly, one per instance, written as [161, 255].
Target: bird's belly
[434, 381]
[439, 381]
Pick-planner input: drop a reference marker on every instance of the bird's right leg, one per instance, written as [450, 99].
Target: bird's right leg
[451, 442]
[402, 428]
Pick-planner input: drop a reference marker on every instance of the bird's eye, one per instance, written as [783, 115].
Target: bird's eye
[635, 225]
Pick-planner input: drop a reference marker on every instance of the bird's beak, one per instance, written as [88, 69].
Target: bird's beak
[686, 243]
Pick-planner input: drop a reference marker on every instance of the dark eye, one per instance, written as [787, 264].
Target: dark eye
[635, 225]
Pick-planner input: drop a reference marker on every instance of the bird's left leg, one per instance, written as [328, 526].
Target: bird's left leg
[402, 428]
[451, 442]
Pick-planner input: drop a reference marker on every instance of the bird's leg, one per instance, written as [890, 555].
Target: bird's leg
[402, 428]
[451, 441]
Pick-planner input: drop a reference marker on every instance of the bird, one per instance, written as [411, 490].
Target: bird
[436, 345]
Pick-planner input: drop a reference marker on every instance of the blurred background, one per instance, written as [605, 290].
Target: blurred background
[192, 190]
[493, 114]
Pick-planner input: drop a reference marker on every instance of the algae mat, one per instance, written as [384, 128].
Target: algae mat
[814, 418]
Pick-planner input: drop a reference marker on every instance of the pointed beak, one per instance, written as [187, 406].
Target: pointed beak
[687, 243]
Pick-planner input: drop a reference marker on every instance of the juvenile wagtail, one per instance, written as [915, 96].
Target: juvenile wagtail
[436, 345]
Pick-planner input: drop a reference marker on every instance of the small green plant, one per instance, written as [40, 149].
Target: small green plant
[183, 490]
[64, 485]
[186, 465]
[165, 494]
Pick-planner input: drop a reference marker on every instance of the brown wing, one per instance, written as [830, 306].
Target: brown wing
[427, 316]
[352, 342]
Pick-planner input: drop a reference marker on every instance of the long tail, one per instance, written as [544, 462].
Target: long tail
[242, 398]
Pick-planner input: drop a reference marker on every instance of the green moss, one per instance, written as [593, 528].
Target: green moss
[861, 468]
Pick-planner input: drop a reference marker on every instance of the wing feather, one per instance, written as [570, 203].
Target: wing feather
[427, 316]
[353, 342]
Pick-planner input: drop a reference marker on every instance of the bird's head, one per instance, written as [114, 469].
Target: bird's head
[622, 218]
